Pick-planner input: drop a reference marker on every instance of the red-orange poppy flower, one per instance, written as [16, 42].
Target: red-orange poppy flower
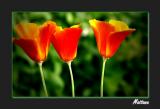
[65, 41]
[35, 39]
[109, 35]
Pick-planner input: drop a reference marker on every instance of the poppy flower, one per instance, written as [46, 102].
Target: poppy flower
[35, 39]
[65, 41]
[109, 35]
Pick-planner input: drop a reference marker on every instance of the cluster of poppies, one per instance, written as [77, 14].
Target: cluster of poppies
[35, 39]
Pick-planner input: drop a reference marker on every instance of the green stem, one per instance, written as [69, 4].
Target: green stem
[42, 77]
[102, 77]
[72, 80]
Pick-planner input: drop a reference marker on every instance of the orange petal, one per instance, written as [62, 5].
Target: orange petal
[57, 42]
[31, 48]
[66, 41]
[46, 31]
[101, 30]
[27, 30]
[115, 39]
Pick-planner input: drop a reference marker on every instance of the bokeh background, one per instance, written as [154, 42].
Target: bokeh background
[126, 73]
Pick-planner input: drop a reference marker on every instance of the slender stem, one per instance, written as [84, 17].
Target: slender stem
[42, 77]
[72, 80]
[102, 77]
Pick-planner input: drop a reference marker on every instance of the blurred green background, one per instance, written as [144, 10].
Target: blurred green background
[126, 73]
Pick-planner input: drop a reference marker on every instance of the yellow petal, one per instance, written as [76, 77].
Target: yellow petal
[59, 28]
[75, 26]
[92, 22]
[119, 25]
[27, 30]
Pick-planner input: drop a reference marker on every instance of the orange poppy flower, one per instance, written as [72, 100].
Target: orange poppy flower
[109, 35]
[65, 41]
[34, 39]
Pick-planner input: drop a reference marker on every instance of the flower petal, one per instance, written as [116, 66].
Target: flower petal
[31, 48]
[101, 30]
[119, 25]
[115, 39]
[66, 41]
[27, 30]
[45, 33]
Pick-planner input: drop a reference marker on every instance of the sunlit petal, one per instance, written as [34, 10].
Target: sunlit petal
[119, 25]
[27, 30]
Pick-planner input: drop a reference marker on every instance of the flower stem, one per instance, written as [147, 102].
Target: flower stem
[72, 80]
[42, 77]
[102, 77]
